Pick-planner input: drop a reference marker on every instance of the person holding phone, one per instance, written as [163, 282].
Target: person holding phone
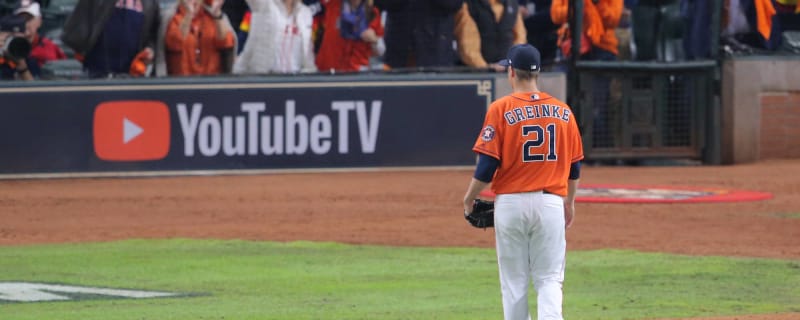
[199, 39]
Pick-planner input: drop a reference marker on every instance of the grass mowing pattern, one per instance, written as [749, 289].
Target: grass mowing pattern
[303, 280]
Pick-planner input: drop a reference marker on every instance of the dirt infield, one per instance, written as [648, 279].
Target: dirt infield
[414, 208]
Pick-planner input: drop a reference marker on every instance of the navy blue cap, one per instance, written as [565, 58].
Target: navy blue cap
[523, 57]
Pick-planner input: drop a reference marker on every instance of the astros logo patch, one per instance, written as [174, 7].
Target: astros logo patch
[488, 133]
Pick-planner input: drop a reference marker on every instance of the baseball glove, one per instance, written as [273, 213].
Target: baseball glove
[482, 215]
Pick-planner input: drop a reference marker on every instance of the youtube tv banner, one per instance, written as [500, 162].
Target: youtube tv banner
[172, 125]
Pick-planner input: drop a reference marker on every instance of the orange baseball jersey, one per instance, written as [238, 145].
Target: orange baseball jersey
[536, 139]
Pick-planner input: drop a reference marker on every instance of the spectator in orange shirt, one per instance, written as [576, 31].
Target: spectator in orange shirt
[600, 21]
[352, 35]
[199, 39]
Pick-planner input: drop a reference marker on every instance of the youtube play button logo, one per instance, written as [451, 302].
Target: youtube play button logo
[131, 130]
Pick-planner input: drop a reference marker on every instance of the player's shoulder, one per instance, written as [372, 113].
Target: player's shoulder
[501, 103]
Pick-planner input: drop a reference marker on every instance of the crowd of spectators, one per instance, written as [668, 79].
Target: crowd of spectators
[134, 38]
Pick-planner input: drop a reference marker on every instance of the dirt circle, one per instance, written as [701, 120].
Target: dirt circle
[409, 208]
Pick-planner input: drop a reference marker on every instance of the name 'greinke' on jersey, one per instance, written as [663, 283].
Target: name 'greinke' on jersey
[519, 114]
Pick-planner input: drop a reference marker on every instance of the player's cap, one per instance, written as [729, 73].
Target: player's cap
[30, 7]
[522, 57]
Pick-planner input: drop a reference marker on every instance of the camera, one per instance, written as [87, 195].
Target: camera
[14, 46]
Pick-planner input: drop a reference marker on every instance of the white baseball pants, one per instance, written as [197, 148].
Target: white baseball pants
[531, 246]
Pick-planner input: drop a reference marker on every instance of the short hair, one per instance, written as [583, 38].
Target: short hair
[526, 75]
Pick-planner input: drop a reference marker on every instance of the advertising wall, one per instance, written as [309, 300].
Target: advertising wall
[168, 126]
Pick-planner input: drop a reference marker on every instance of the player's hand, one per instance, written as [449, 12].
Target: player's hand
[468, 205]
[569, 214]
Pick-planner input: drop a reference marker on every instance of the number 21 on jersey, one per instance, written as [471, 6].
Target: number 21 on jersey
[534, 137]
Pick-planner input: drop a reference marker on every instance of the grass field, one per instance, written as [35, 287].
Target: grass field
[304, 280]
[793, 215]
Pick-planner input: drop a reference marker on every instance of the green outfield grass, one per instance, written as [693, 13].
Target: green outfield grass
[795, 215]
[303, 280]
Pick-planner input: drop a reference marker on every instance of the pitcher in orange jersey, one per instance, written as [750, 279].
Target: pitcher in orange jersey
[530, 151]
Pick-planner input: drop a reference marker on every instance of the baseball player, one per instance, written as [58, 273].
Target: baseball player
[530, 150]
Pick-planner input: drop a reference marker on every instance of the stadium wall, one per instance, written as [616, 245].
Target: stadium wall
[182, 126]
[760, 108]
